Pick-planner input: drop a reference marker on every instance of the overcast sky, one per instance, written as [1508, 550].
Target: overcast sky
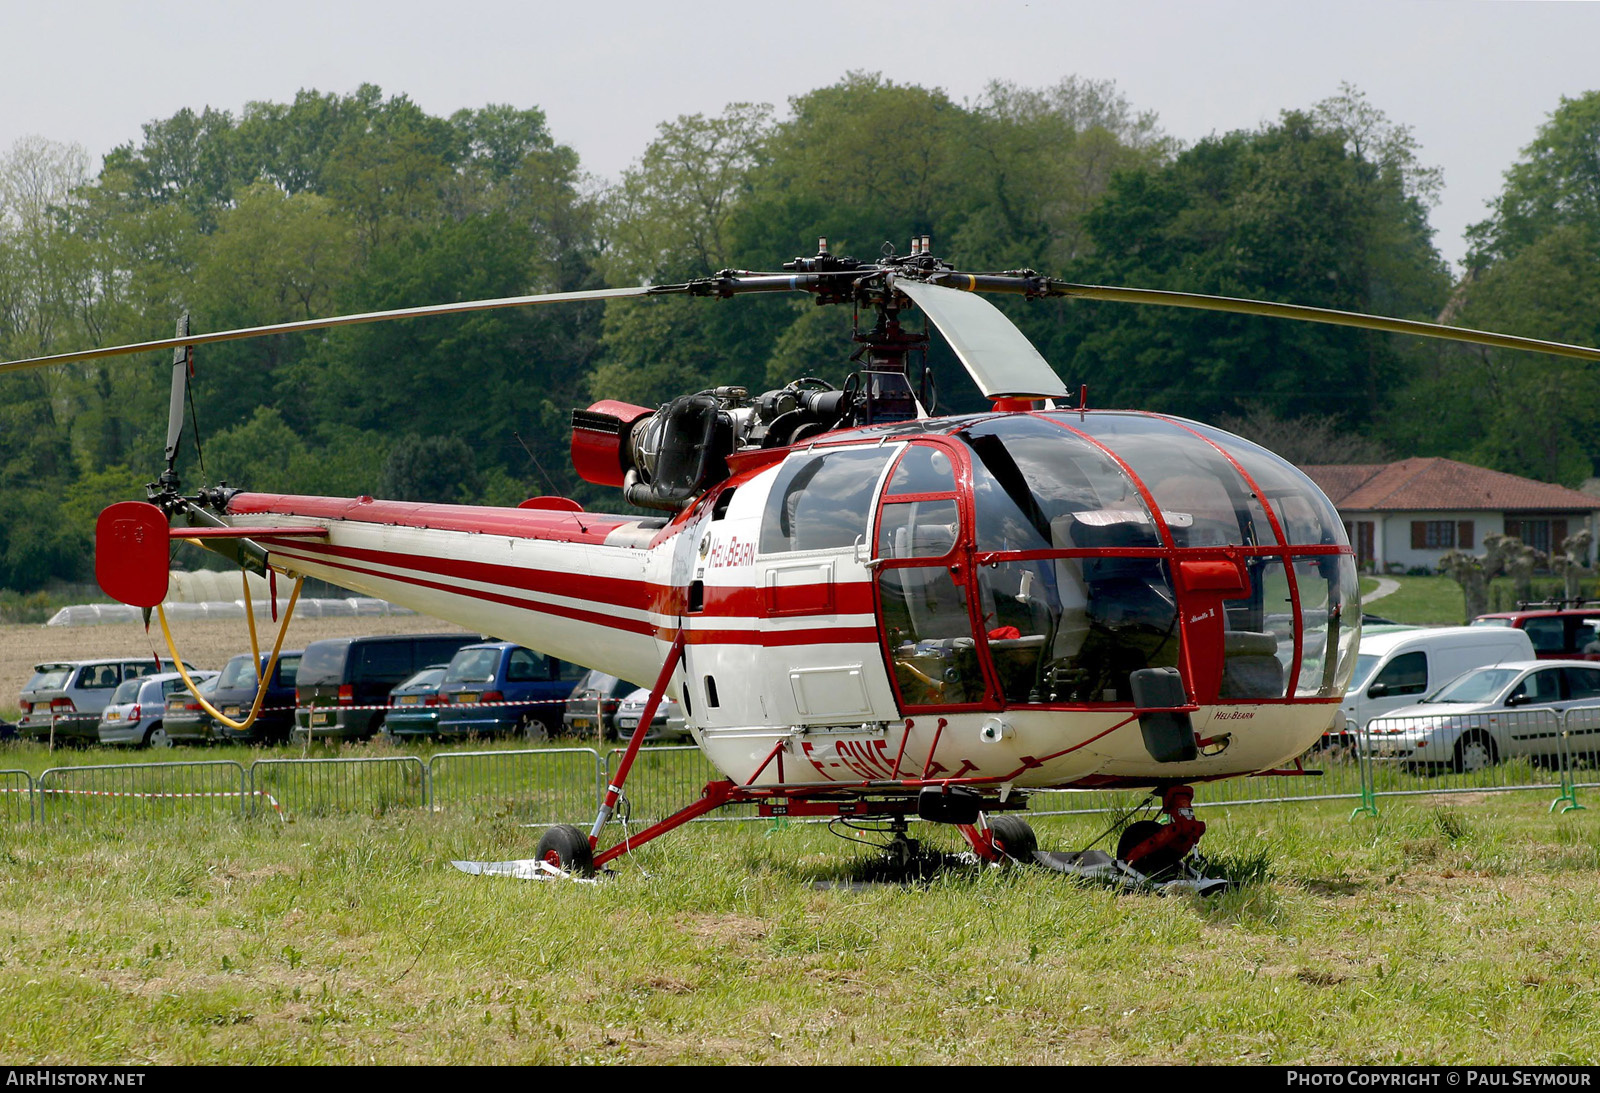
[1473, 80]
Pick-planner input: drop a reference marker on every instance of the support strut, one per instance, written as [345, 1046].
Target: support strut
[614, 790]
[1163, 846]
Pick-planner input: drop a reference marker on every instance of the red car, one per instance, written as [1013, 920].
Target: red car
[1557, 633]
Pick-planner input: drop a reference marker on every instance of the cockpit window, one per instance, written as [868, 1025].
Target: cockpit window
[1072, 629]
[1205, 501]
[823, 500]
[919, 529]
[1308, 519]
[923, 469]
[1038, 487]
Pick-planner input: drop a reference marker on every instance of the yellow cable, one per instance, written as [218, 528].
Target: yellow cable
[250, 616]
[261, 687]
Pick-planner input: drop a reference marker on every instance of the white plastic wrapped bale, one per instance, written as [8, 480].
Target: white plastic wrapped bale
[93, 614]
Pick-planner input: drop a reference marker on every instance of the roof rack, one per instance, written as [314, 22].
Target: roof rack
[1555, 605]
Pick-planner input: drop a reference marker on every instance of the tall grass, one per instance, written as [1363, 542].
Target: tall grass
[1456, 933]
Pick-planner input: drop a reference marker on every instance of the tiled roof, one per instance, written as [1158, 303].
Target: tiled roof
[1439, 485]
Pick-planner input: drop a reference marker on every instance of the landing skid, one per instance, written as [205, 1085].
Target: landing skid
[1098, 866]
[524, 869]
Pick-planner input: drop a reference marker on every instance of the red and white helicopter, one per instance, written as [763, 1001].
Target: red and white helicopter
[866, 611]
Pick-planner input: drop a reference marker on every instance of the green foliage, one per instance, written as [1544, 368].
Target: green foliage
[1556, 184]
[1534, 270]
[361, 201]
[1289, 212]
[429, 468]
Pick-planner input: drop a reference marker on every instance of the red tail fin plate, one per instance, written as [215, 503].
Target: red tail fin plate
[130, 553]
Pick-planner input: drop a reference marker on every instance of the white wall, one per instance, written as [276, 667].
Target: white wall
[1392, 541]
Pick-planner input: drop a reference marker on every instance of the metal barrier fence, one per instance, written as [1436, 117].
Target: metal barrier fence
[1519, 748]
[1524, 748]
[141, 791]
[548, 786]
[319, 787]
[16, 795]
[1328, 772]
[1580, 755]
[666, 778]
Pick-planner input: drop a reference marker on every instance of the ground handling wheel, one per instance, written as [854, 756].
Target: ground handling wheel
[567, 848]
[1013, 835]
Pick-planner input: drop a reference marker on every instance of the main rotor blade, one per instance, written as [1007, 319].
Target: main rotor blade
[324, 324]
[998, 356]
[1163, 298]
[180, 390]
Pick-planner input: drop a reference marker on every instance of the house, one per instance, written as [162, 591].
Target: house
[1408, 514]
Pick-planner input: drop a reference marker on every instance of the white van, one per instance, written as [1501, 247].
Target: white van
[1398, 667]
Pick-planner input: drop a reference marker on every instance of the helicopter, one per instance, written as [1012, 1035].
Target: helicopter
[868, 612]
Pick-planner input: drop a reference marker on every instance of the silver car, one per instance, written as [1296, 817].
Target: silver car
[64, 699]
[133, 716]
[1491, 714]
[668, 723]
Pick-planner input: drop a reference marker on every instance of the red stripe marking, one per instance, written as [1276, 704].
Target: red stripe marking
[823, 635]
[851, 598]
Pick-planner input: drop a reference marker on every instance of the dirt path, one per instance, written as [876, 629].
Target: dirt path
[1386, 585]
[203, 644]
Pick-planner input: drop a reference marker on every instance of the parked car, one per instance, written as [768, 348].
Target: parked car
[70, 695]
[1556, 633]
[136, 714]
[181, 703]
[668, 723]
[1472, 723]
[235, 690]
[1396, 667]
[414, 705]
[503, 671]
[342, 688]
[597, 695]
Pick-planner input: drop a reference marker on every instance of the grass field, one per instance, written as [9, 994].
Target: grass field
[1455, 932]
[1420, 601]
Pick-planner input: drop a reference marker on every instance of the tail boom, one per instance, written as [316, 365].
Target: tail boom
[543, 578]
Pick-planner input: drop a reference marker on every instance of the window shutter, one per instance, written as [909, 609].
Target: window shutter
[1558, 532]
[1464, 534]
[1419, 535]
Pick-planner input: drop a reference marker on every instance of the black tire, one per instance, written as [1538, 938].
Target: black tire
[1151, 865]
[157, 737]
[1475, 751]
[568, 848]
[1013, 835]
[533, 730]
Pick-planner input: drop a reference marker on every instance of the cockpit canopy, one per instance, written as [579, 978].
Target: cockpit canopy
[1043, 558]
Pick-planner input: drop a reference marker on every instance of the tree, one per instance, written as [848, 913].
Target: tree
[668, 218]
[1036, 160]
[1287, 212]
[430, 468]
[1501, 554]
[1304, 441]
[1534, 269]
[1555, 184]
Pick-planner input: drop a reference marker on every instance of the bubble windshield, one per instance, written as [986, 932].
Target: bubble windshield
[1075, 586]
